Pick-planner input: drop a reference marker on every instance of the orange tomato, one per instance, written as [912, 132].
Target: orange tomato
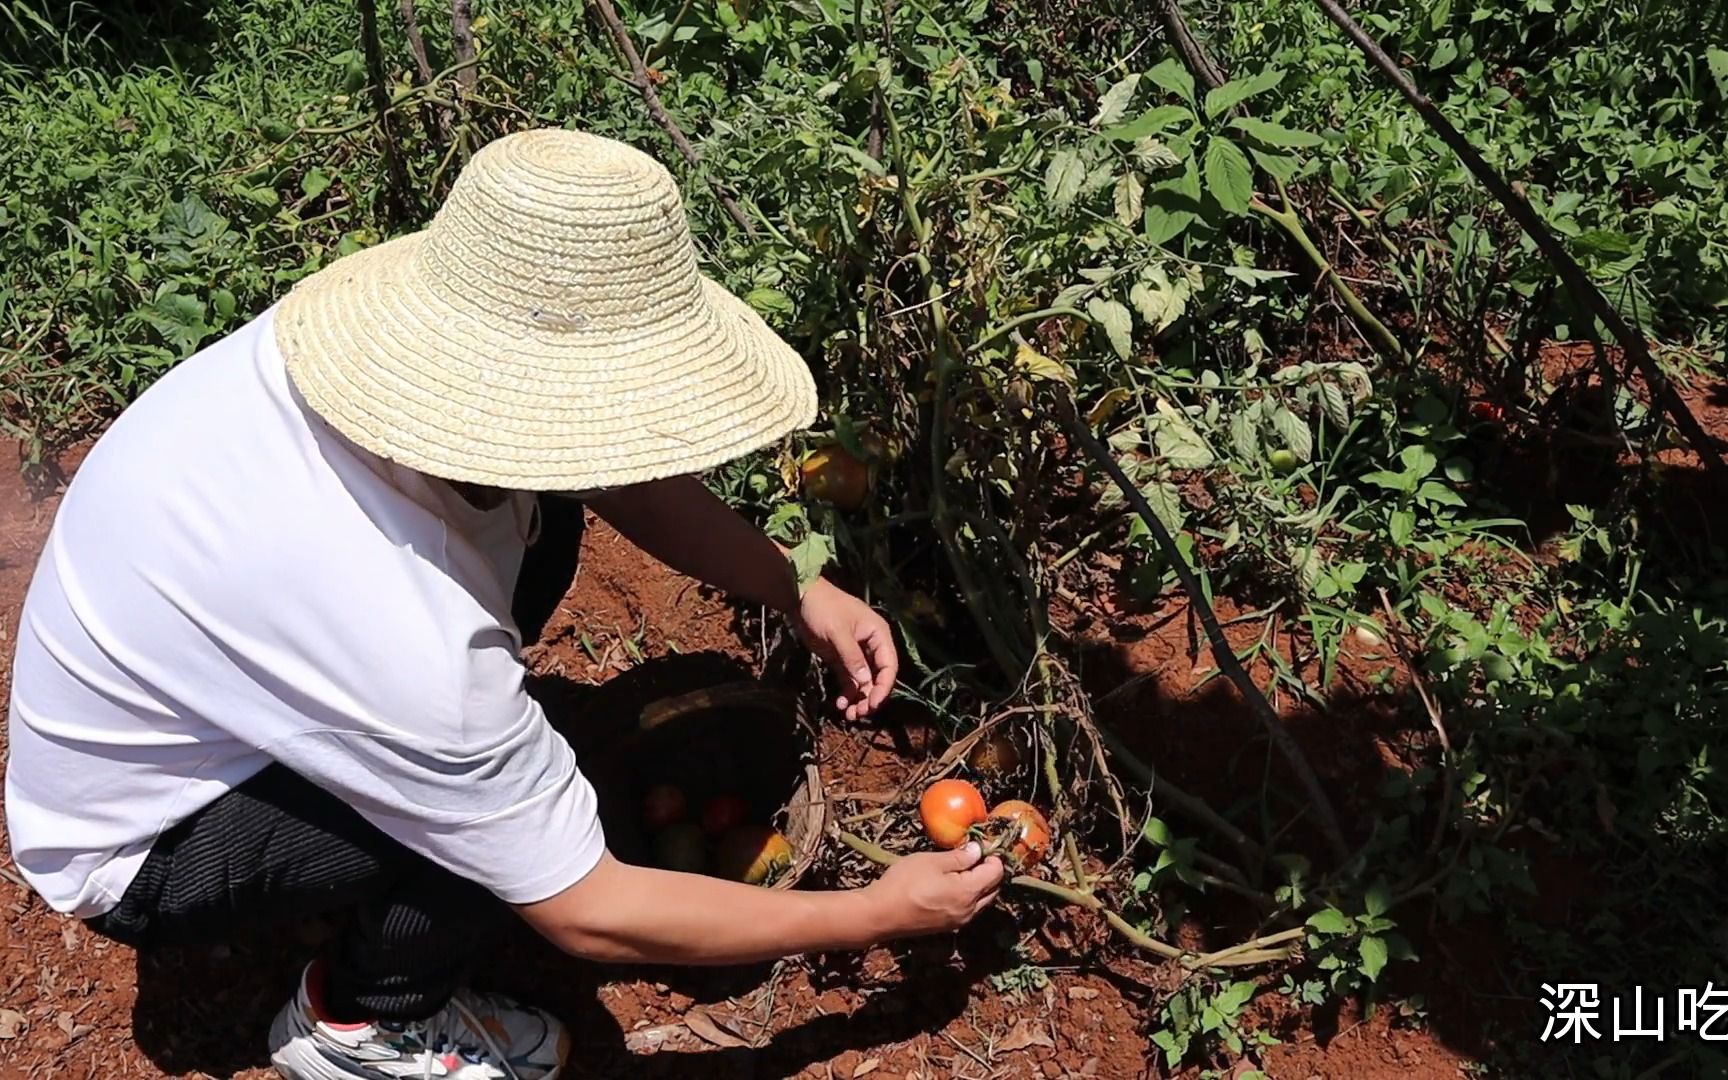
[723, 812]
[1026, 833]
[753, 854]
[832, 475]
[663, 805]
[948, 809]
[997, 755]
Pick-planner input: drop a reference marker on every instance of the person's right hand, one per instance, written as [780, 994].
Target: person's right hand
[932, 892]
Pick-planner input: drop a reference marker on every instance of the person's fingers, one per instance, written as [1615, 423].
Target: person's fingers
[880, 641]
[849, 658]
[962, 858]
[985, 877]
[983, 902]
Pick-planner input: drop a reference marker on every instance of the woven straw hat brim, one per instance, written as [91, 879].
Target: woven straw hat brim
[432, 382]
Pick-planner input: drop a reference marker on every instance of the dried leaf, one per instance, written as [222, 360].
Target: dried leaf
[1039, 366]
[1022, 1035]
[1107, 405]
[69, 936]
[12, 1024]
[1115, 101]
[1082, 993]
[866, 1067]
[707, 1027]
[648, 1040]
[1128, 199]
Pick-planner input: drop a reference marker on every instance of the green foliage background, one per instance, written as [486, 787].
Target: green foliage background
[1091, 223]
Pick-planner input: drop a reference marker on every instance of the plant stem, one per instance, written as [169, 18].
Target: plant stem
[651, 98]
[1221, 649]
[1287, 219]
[396, 197]
[1245, 955]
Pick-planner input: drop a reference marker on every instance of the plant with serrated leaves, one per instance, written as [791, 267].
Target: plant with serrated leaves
[1353, 949]
[1201, 1018]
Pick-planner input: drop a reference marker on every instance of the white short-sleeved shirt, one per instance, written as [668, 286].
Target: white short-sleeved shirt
[229, 582]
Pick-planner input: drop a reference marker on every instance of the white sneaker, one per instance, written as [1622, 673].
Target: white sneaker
[474, 1037]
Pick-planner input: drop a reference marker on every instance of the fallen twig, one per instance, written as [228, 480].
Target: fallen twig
[651, 98]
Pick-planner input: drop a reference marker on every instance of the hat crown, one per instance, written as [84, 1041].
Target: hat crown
[564, 232]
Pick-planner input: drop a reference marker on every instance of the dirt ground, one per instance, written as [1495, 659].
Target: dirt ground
[1025, 992]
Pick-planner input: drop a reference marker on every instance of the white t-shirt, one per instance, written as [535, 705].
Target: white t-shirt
[229, 582]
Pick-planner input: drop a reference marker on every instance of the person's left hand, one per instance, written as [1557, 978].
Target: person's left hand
[856, 643]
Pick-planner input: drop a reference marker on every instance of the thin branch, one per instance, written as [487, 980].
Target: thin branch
[462, 37]
[1578, 283]
[1222, 653]
[658, 49]
[437, 121]
[651, 98]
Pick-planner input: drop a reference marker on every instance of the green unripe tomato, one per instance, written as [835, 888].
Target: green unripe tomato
[1283, 462]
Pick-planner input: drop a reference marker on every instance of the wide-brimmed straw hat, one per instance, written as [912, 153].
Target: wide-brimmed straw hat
[549, 331]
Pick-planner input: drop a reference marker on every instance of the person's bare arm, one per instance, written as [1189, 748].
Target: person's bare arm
[632, 914]
[684, 525]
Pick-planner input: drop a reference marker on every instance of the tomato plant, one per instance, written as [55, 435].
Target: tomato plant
[1025, 835]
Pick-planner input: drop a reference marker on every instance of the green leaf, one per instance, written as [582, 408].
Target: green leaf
[1330, 921]
[1335, 405]
[1115, 101]
[1418, 460]
[1157, 832]
[1210, 1019]
[1236, 995]
[1172, 206]
[1229, 177]
[1294, 431]
[1180, 445]
[1154, 121]
[1373, 951]
[314, 183]
[859, 158]
[1236, 91]
[1245, 432]
[1717, 59]
[1172, 76]
[769, 301]
[809, 558]
[1391, 481]
[1130, 199]
[1159, 300]
[1166, 505]
[1435, 492]
[1402, 525]
[1116, 322]
[1264, 131]
[223, 301]
[1151, 154]
[1062, 180]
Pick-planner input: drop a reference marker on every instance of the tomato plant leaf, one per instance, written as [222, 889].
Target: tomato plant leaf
[1293, 430]
[1718, 61]
[810, 557]
[1116, 322]
[1265, 131]
[1129, 199]
[1115, 101]
[315, 183]
[1039, 366]
[1378, 899]
[1335, 405]
[1245, 432]
[1063, 178]
[1229, 177]
[1154, 155]
[1166, 504]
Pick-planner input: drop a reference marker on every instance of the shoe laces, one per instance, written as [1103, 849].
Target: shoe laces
[442, 1025]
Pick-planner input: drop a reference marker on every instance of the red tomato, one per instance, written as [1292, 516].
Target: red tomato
[1027, 834]
[1487, 412]
[948, 809]
[663, 805]
[724, 812]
